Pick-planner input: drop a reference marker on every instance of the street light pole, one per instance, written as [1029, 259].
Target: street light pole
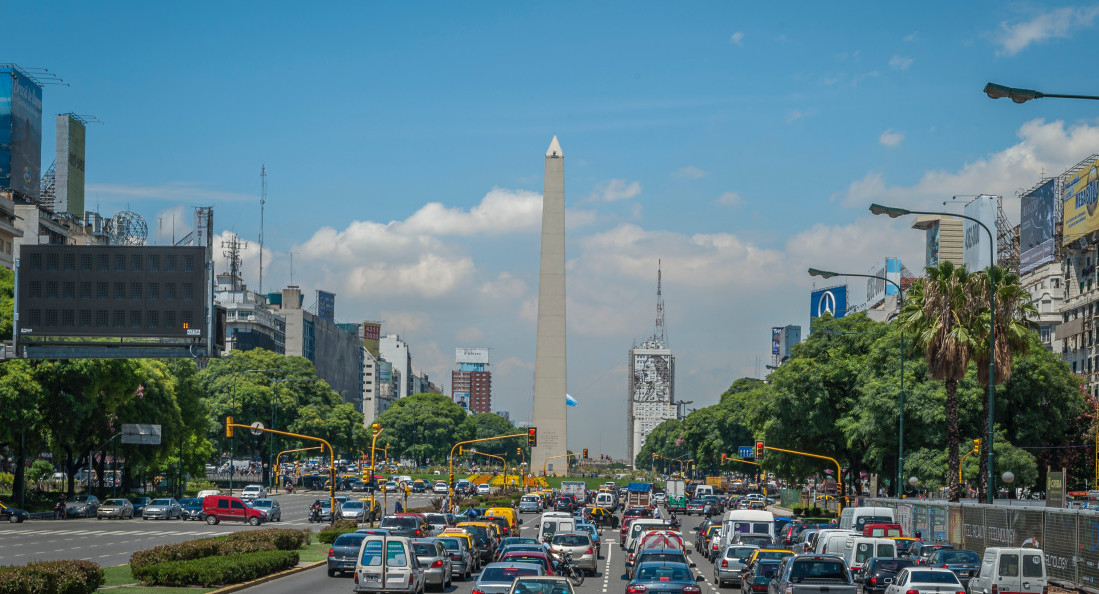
[995, 91]
[897, 212]
[900, 305]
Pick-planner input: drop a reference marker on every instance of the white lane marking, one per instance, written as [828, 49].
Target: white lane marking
[607, 569]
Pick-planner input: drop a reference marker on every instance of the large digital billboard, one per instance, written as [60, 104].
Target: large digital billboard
[20, 133]
[832, 301]
[69, 181]
[976, 254]
[1038, 211]
[112, 291]
[326, 306]
[1081, 198]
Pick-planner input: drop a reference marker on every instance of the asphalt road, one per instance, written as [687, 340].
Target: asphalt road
[609, 579]
[111, 542]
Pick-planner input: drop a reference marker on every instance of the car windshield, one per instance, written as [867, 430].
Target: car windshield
[959, 557]
[818, 570]
[738, 552]
[505, 574]
[934, 577]
[353, 505]
[571, 540]
[425, 549]
[80, 498]
[115, 502]
[263, 502]
[162, 502]
[663, 573]
[399, 522]
[435, 518]
[451, 544]
[542, 587]
[349, 540]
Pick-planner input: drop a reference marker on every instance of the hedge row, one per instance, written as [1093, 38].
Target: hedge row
[216, 571]
[331, 533]
[247, 541]
[49, 577]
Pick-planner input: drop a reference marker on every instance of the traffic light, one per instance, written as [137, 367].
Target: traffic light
[532, 437]
[585, 453]
[518, 451]
[976, 445]
[759, 450]
[377, 429]
[228, 426]
[723, 458]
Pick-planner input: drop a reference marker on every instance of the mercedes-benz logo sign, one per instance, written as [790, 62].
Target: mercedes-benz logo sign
[827, 304]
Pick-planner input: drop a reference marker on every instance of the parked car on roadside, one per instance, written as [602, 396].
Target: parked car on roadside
[165, 508]
[140, 503]
[85, 506]
[115, 508]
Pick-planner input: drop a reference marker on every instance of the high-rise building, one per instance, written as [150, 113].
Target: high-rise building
[396, 351]
[650, 390]
[336, 351]
[471, 383]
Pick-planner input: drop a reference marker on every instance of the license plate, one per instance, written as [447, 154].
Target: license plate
[372, 576]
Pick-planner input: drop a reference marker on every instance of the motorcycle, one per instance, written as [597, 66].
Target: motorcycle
[314, 514]
[568, 568]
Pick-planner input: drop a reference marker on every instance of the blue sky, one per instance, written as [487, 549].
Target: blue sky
[404, 146]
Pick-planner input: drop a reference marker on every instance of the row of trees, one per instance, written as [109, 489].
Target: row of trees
[839, 393]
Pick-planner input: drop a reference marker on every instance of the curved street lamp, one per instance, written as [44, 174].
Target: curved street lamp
[900, 304]
[894, 212]
[995, 91]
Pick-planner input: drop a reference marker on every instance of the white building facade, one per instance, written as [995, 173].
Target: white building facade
[650, 393]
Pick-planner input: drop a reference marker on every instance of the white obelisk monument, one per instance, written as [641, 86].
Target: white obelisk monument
[549, 360]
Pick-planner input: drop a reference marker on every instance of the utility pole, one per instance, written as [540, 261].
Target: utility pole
[262, 202]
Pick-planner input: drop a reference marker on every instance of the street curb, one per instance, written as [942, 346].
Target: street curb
[268, 578]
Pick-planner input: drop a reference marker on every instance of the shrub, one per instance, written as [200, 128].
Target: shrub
[48, 577]
[237, 543]
[183, 551]
[329, 534]
[215, 571]
[282, 539]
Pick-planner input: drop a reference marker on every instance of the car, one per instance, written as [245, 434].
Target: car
[229, 508]
[695, 506]
[660, 498]
[964, 564]
[192, 508]
[484, 489]
[580, 546]
[165, 508]
[14, 515]
[924, 580]
[755, 581]
[343, 553]
[538, 557]
[253, 492]
[530, 504]
[388, 564]
[270, 507]
[461, 557]
[497, 578]
[591, 531]
[920, 552]
[513, 547]
[355, 510]
[702, 540]
[663, 576]
[663, 555]
[433, 556]
[483, 539]
[542, 584]
[410, 526]
[728, 567]
[439, 521]
[140, 503]
[82, 505]
[115, 508]
[878, 573]
[419, 486]
[440, 488]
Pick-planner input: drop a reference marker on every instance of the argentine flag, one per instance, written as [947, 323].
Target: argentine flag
[570, 401]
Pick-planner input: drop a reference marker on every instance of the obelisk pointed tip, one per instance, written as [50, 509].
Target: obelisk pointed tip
[554, 151]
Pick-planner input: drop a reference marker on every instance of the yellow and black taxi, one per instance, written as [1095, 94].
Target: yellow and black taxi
[12, 514]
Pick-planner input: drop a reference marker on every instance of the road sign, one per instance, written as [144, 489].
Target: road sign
[140, 434]
[746, 452]
[257, 428]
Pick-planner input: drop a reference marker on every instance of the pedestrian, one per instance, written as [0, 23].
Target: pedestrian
[397, 507]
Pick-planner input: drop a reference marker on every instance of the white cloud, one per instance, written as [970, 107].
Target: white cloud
[184, 192]
[794, 116]
[900, 62]
[891, 138]
[504, 287]
[730, 199]
[1060, 23]
[431, 276]
[737, 38]
[470, 335]
[406, 322]
[171, 225]
[500, 211]
[913, 36]
[1044, 148]
[689, 172]
[613, 190]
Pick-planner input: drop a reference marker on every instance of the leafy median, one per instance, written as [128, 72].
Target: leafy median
[236, 558]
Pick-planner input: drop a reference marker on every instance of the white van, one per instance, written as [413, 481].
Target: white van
[1011, 570]
[606, 500]
[703, 491]
[553, 522]
[642, 525]
[858, 549]
[825, 534]
[746, 521]
[854, 518]
[832, 544]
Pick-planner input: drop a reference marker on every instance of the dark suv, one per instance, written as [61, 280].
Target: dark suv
[410, 526]
[878, 573]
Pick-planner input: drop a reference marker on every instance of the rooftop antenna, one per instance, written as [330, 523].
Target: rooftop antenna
[232, 257]
[262, 202]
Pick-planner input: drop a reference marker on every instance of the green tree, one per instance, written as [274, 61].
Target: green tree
[493, 425]
[424, 427]
[21, 400]
[940, 314]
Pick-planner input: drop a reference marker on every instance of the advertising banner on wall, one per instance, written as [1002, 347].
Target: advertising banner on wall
[471, 355]
[1038, 212]
[20, 133]
[833, 301]
[326, 305]
[776, 340]
[1081, 198]
[69, 181]
[372, 333]
[876, 288]
[976, 254]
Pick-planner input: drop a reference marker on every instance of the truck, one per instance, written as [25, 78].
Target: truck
[638, 494]
[719, 483]
[677, 495]
[813, 574]
[578, 489]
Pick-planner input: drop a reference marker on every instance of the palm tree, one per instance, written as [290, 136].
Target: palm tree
[1013, 327]
[939, 312]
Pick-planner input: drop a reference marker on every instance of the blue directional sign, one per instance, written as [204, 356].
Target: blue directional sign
[746, 452]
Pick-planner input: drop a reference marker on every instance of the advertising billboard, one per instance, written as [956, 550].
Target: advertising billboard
[20, 133]
[976, 252]
[69, 181]
[326, 306]
[1038, 212]
[1081, 198]
[876, 288]
[471, 355]
[932, 246]
[776, 340]
[371, 335]
[832, 301]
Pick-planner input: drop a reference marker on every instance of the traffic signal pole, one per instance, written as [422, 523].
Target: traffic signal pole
[839, 471]
[450, 483]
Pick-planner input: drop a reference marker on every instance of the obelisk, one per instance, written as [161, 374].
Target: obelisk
[549, 358]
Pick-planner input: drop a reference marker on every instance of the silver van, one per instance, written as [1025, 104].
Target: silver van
[1011, 570]
[388, 564]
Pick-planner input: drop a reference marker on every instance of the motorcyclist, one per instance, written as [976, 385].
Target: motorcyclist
[673, 521]
[315, 511]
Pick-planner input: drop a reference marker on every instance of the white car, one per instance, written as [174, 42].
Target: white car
[441, 488]
[924, 580]
[253, 492]
[483, 489]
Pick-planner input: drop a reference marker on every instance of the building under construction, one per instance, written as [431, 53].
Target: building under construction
[650, 394]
